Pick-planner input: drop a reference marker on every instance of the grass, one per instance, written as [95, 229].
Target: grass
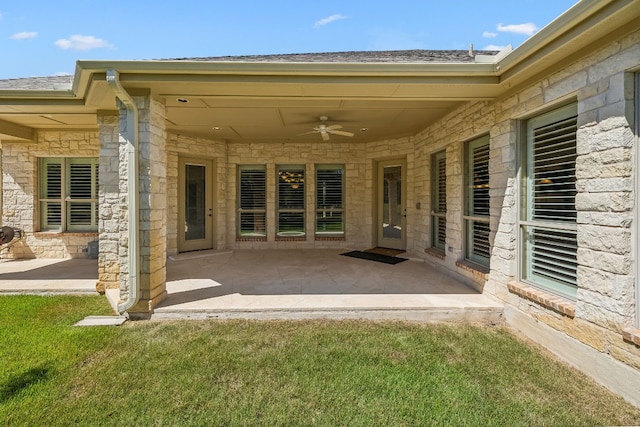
[280, 373]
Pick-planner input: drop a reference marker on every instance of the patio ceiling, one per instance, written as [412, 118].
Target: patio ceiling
[254, 102]
[261, 108]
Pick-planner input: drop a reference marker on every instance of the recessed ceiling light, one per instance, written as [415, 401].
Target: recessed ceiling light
[364, 129]
[216, 128]
[183, 100]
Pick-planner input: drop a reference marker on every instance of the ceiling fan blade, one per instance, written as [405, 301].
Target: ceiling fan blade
[333, 127]
[325, 136]
[341, 132]
[307, 133]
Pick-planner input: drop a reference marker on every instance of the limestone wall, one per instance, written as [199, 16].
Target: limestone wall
[602, 86]
[20, 190]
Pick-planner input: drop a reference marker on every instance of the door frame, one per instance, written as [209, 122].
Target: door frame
[208, 241]
[379, 240]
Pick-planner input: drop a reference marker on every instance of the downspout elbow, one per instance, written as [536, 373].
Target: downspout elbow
[131, 132]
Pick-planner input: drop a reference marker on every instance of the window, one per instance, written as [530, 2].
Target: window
[291, 201]
[330, 200]
[68, 194]
[548, 214]
[252, 201]
[476, 217]
[439, 200]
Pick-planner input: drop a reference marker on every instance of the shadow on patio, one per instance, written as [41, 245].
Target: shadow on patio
[313, 283]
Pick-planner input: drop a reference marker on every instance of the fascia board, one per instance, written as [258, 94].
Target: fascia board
[289, 68]
[560, 26]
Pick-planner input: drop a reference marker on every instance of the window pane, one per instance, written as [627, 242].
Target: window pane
[329, 200]
[440, 232]
[291, 224]
[329, 222]
[52, 184]
[551, 258]
[550, 250]
[439, 200]
[195, 202]
[80, 213]
[52, 215]
[477, 196]
[479, 180]
[554, 169]
[291, 188]
[478, 244]
[329, 188]
[253, 188]
[291, 204]
[252, 201]
[80, 180]
[253, 224]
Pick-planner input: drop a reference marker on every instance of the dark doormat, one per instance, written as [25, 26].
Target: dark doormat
[374, 257]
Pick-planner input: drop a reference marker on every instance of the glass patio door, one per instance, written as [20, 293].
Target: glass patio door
[195, 213]
[392, 212]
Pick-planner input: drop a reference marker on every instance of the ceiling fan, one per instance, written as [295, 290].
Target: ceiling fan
[325, 130]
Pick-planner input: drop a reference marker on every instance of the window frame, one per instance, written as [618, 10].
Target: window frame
[65, 200]
[251, 211]
[553, 231]
[439, 200]
[320, 209]
[282, 181]
[471, 216]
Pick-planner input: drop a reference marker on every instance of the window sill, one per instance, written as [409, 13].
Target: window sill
[435, 252]
[632, 336]
[45, 234]
[475, 269]
[549, 301]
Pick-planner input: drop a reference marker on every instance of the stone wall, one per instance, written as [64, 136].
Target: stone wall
[601, 84]
[20, 193]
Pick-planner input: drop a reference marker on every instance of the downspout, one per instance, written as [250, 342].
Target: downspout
[131, 131]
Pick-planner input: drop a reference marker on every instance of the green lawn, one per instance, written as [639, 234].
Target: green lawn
[280, 373]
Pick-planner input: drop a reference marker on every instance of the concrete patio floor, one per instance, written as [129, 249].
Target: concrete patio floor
[274, 284]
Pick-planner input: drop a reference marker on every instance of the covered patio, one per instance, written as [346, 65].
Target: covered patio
[277, 284]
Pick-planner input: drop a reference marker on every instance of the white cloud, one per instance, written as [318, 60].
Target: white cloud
[489, 35]
[24, 35]
[78, 42]
[527, 29]
[493, 47]
[328, 20]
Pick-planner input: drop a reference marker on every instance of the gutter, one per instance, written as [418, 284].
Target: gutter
[131, 131]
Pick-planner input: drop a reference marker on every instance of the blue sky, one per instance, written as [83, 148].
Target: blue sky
[43, 38]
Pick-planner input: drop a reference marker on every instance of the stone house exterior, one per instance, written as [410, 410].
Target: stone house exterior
[516, 172]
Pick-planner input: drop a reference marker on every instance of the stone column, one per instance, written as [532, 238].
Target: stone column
[109, 218]
[152, 158]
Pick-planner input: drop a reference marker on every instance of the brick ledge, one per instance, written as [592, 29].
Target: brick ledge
[475, 269]
[330, 238]
[631, 335]
[552, 302]
[436, 253]
[251, 239]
